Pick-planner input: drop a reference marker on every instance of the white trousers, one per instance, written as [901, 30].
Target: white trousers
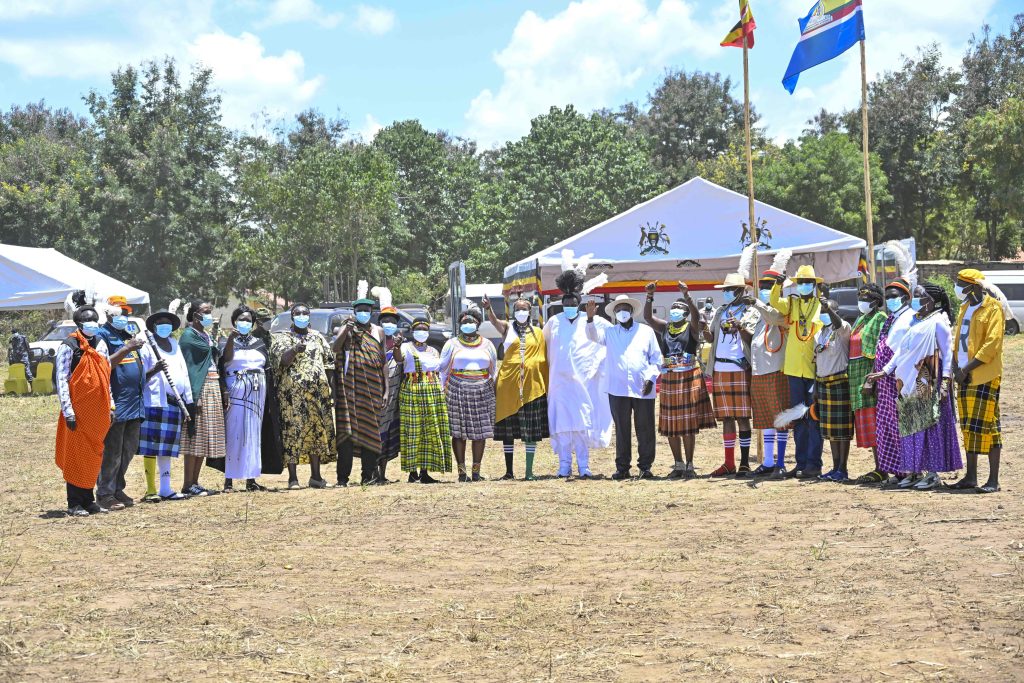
[564, 443]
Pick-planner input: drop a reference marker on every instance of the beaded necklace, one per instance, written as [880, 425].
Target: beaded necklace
[466, 342]
[804, 330]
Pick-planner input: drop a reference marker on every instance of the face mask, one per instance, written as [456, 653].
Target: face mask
[208, 320]
[805, 288]
[707, 306]
[421, 335]
[915, 303]
[571, 311]
[675, 315]
[301, 321]
[244, 327]
[623, 317]
[766, 295]
[864, 307]
[894, 304]
[729, 296]
[960, 292]
[90, 329]
[825, 319]
[362, 317]
[467, 328]
[522, 317]
[119, 322]
[389, 329]
[163, 330]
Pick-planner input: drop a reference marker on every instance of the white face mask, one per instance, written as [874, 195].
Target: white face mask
[522, 317]
[864, 307]
[623, 316]
[960, 292]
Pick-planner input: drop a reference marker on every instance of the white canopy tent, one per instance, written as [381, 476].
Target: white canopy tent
[690, 233]
[33, 278]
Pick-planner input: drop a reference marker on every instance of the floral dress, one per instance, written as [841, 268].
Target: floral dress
[304, 394]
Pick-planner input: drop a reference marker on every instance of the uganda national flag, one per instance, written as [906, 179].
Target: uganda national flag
[744, 27]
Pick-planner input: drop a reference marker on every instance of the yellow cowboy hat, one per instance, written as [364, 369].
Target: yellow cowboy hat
[806, 272]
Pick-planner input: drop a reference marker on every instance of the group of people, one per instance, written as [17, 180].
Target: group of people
[260, 402]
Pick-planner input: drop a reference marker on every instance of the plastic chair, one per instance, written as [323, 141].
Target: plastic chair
[43, 383]
[16, 383]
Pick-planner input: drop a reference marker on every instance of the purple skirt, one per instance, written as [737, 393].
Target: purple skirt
[887, 423]
[936, 449]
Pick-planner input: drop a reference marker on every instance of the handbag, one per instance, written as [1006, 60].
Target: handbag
[920, 410]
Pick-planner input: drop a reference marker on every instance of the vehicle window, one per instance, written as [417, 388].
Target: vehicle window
[1013, 291]
[281, 322]
[59, 333]
[845, 297]
[318, 320]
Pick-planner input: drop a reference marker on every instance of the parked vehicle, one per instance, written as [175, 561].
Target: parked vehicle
[1011, 282]
[846, 297]
[324, 320]
[45, 349]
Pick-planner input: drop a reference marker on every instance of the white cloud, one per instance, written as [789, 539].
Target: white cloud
[586, 55]
[13, 10]
[374, 20]
[297, 11]
[371, 126]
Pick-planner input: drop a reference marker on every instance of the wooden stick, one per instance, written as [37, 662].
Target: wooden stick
[867, 166]
[755, 238]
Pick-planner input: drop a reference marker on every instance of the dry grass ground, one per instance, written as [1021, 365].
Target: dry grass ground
[594, 581]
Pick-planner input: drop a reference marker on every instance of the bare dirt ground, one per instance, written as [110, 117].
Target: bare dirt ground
[513, 581]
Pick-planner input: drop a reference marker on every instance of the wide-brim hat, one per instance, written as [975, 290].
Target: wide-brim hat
[623, 299]
[155, 318]
[971, 275]
[732, 280]
[806, 272]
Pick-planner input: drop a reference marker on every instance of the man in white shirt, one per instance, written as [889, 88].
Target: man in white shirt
[632, 365]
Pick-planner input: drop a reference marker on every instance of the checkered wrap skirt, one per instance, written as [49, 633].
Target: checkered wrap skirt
[833, 407]
[209, 440]
[530, 424]
[769, 396]
[471, 408]
[732, 393]
[978, 405]
[161, 432]
[864, 427]
[425, 434]
[684, 404]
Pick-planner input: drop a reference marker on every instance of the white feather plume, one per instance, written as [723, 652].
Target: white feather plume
[383, 295]
[584, 263]
[362, 289]
[904, 262]
[567, 256]
[184, 311]
[174, 306]
[599, 280]
[998, 294]
[69, 305]
[781, 260]
[790, 415]
[746, 261]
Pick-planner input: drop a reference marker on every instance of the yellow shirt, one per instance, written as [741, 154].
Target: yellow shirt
[800, 339]
[984, 339]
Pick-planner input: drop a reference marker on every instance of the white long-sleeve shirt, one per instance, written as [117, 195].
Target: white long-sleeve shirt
[633, 359]
[157, 391]
[64, 354]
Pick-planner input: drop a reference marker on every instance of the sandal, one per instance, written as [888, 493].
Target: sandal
[723, 471]
[151, 498]
[872, 477]
[963, 485]
[177, 495]
[988, 488]
[294, 484]
[689, 472]
[743, 471]
[254, 486]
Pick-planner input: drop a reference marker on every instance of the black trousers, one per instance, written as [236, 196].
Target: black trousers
[642, 412]
[79, 496]
[347, 451]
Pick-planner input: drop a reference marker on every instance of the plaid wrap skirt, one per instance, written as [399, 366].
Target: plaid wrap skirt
[732, 393]
[530, 424]
[425, 435]
[209, 440]
[978, 405]
[161, 432]
[833, 407]
[684, 404]
[769, 396]
[472, 404]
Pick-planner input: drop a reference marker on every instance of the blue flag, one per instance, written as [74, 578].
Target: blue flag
[831, 28]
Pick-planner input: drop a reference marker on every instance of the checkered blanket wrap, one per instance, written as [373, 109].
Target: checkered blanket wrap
[530, 424]
[425, 434]
[209, 441]
[161, 432]
[471, 408]
[978, 405]
[835, 413]
[769, 396]
[684, 404]
[864, 426]
[732, 394]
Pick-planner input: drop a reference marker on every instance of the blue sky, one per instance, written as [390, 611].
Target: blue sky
[478, 68]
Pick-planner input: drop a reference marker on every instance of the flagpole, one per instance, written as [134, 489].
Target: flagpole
[754, 237]
[867, 166]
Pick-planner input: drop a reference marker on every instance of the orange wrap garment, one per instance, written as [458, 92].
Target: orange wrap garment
[80, 452]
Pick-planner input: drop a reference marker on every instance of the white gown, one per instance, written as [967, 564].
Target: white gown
[577, 385]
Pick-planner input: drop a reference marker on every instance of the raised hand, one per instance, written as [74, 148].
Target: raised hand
[591, 309]
[683, 287]
[486, 303]
[651, 287]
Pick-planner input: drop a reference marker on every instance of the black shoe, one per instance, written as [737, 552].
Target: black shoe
[414, 477]
[342, 484]
[426, 478]
[809, 474]
[620, 475]
[463, 477]
[675, 474]
[795, 474]
[477, 477]
[762, 471]
[95, 509]
[778, 474]
[646, 474]
[508, 476]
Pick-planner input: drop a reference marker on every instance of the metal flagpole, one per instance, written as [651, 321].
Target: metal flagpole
[867, 167]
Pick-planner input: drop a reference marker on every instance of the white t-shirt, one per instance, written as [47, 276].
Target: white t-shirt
[961, 344]
[729, 344]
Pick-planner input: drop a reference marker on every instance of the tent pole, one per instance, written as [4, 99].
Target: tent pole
[754, 237]
[867, 167]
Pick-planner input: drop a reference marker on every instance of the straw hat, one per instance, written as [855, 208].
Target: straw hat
[806, 272]
[623, 299]
[732, 280]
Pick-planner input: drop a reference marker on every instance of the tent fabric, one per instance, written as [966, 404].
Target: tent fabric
[694, 236]
[34, 278]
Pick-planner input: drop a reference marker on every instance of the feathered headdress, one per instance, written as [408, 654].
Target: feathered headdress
[998, 294]
[185, 311]
[383, 295]
[599, 280]
[174, 306]
[790, 415]
[905, 263]
[780, 262]
[746, 261]
[573, 278]
[362, 289]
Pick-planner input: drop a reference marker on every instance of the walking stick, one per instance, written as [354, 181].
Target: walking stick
[167, 376]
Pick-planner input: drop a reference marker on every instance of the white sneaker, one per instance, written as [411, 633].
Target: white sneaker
[930, 481]
[908, 481]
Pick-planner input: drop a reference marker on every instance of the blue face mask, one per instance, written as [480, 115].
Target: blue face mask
[467, 328]
[163, 330]
[765, 295]
[243, 327]
[675, 315]
[915, 303]
[729, 296]
[119, 322]
[805, 288]
[825, 319]
[207, 320]
[301, 321]
[90, 328]
[389, 329]
[894, 304]
[571, 311]
[362, 317]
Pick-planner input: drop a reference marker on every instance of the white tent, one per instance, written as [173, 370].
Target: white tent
[689, 233]
[42, 278]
